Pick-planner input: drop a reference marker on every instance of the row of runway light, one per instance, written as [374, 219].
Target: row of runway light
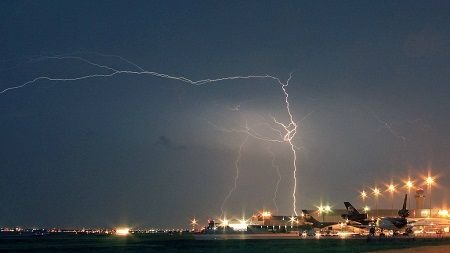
[393, 188]
[376, 192]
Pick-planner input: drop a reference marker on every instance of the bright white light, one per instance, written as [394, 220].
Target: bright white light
[363, 194]
[409, 184]
[243, 221]
[122, 231]
[241, 226]
[224, 222]
[391, 188]
[376, 191]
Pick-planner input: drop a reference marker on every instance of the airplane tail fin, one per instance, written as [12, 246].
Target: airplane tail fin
[404, 212]
[350, 209]
[308, 217]
[404, 201]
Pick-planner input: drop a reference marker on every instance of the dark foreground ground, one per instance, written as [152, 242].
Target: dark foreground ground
[186, 243]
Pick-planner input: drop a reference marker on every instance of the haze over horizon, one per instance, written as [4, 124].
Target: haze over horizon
[369, 92]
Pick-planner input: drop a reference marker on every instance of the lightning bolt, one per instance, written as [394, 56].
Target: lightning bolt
[249, 133]
[277, 168]
[289, 129]
[73, 55]
[388, 126]
[236, 176]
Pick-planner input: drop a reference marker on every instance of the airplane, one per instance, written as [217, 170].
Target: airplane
[355, 218]
[308, 219]
[430, 224]
[396, 223]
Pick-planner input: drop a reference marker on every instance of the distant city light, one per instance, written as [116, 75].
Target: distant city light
[194, 223]
[366, 208]
[122, 231]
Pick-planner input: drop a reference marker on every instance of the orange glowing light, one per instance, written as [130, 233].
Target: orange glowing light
[266, 214]
[363, 195]
[409, 184]
[376, 191]
[391, 188]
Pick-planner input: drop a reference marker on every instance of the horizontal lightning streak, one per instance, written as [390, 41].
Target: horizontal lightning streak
[130, 72]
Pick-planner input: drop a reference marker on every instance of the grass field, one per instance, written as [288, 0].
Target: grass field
[176, 243]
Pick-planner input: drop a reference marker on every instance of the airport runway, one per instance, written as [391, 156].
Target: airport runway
[295, 236]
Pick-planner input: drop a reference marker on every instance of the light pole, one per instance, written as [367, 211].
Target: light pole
[376, 192]
[243, 223]
[409, 184]
[391, 189]
[194, 223]
[429, 182]
[363, 197]
[266, 216]
[327, 209]
[292, 220]
[321, 211]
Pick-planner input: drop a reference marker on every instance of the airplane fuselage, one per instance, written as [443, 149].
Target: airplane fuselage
[392, 223]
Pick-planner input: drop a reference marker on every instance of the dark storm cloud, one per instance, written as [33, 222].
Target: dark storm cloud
[166, 142]
[136, 149]
[427, 43]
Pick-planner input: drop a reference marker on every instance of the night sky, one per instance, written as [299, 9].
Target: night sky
[370, 92]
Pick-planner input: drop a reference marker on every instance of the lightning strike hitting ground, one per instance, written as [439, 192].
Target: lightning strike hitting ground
[236, 176]
[277, 169]
[250, 133]
[289, 129]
